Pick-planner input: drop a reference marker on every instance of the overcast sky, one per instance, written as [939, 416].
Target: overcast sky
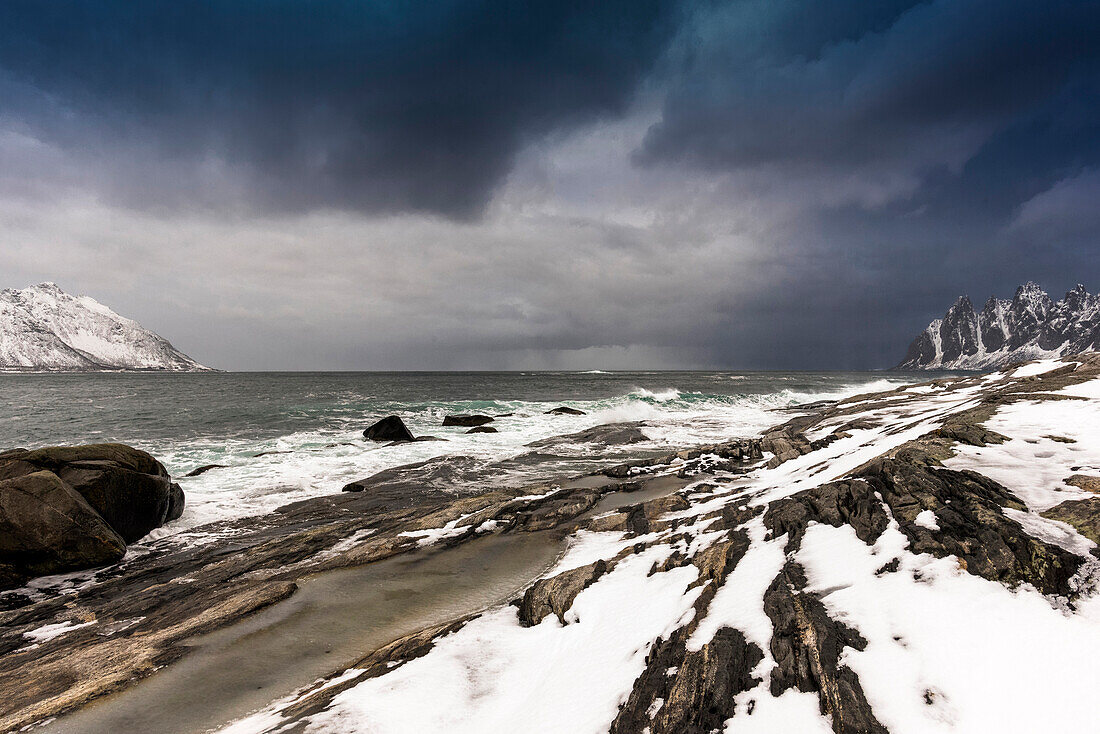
[346, 184]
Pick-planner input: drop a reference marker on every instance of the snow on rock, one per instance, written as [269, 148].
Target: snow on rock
[42, 328]
[820, 593]
[1030, 326]
[927, 519]
[493, 673]
[948, 651]
[48, 632]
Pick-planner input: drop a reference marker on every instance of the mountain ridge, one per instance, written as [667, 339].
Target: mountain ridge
[1029, 326]
[45, 329]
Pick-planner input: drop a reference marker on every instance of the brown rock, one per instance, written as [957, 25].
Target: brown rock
[46, 527]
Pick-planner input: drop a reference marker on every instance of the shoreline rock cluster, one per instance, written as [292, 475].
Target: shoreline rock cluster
[68, 508]
[393, 429]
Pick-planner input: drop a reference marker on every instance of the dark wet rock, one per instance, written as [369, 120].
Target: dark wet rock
[699, 695]
[555, 595]
[467, 421]
[270, 453]
[482, 429]
[707, 681]
[126, 457]
[46, 527]
[972, 524]
[203, 469]
[128, 488]
[176, 502]
[550, 511]
[438, 473]
[849, 502]
[565, 410]
[610, 434]
[1084, 515]
[131, 502]
[807, 645]
[785, 443]
[390, 428]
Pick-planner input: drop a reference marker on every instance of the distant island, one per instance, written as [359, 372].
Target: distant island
[1030, 326]
[44, 329]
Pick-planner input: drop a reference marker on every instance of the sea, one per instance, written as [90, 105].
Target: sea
[283, 437]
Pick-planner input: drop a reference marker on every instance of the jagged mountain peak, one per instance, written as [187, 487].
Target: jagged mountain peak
[43, 328]
[1030, 326]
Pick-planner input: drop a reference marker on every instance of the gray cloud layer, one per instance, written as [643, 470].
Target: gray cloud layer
[479, 185]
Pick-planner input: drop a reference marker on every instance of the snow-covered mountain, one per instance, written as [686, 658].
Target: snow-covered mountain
[44, 328]
[1030, 326]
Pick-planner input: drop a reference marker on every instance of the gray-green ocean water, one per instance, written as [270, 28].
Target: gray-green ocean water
[309, 425]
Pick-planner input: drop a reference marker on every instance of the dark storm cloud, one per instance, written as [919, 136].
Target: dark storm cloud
[751, 183]
[921, 150]
[851, 84]
[375, 106]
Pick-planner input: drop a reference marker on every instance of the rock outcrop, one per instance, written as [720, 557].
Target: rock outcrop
[390, 428]
[565, 410]
[65, 508]
[1030, 326]
[467, 421]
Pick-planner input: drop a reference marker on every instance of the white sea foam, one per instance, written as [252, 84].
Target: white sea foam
[306, 464]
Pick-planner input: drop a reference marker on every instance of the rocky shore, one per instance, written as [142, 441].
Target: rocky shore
[725, 581]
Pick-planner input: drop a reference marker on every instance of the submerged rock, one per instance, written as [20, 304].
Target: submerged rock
[203, 469]
[467, 421]
[482, 429]
[390, 428]
[610, 434]
[565, 410]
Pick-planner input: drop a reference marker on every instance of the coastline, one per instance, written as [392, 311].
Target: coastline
[773, 484]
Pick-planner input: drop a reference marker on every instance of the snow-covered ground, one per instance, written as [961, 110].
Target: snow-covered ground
[943, 649]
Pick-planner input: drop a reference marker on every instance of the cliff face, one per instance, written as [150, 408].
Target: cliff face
[1030, 326]
[42, 328]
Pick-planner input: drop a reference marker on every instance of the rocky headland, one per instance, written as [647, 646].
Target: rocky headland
[1031, 325]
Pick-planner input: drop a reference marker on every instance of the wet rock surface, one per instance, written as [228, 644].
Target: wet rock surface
[467, 421]
[47, 527]
[172, 593]
[611, 434]
[390, 428]
[565, 410]
[67, 508]
[718, 498]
